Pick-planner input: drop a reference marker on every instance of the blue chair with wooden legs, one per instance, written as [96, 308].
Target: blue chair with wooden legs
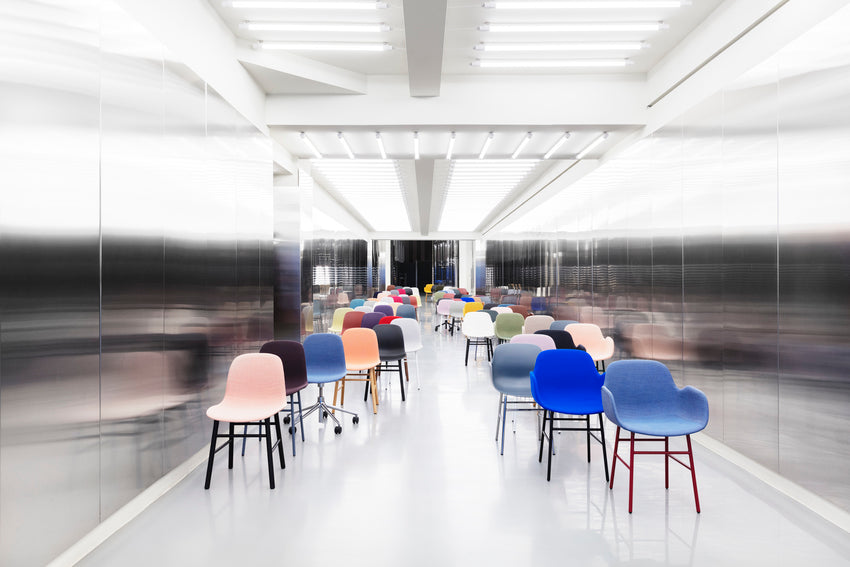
[641, 397]
[565, 381]
[325, 359]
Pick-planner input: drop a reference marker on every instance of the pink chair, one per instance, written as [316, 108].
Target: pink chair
[255, 392]
[545, 342]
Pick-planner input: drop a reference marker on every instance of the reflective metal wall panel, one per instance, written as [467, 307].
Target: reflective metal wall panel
[287, 263]
[49, 384]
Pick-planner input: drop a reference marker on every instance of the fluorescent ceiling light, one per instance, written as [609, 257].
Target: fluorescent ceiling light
[318, 5]
[315, 27]
[451, 146]
[557, 145]
[381, 145]
[521, 145]
[549, 63]
[586, 5]
[592, 145]
[345, 145]
[321, 46]
[310, 146]
[416, 145]
[572, 46]
[573, 27]
[486, 145]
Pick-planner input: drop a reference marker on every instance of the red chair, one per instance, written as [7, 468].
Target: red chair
[387, 320]
[351, 319]
[397, 299]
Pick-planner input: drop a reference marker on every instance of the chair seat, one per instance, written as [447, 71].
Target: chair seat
[661, 425]
[574, 406]
[519, 390]
[239, 411]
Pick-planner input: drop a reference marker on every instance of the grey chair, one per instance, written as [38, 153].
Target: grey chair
[511, 368]
[560, 325]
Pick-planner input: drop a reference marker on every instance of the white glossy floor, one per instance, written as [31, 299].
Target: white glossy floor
[422, 483]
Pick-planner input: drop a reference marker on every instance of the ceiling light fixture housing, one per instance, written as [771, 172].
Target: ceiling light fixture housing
[486, 146]
[314, 27]
[521, 145]
[571, 46]
[313, 149]
[549, 63]
[557, 145]
[599, 139]
[320, 46]
[345, 145]
[295, 5]
[572, 27]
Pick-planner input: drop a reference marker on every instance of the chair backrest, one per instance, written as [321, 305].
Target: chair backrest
[361, 349]
[521, 309]
[372, 319]
[414, 300]
[502, 309]
[456, 309]
[490, 305]
[448, 295]
[397, 299]
[352, 319]
[559, 325]
[467, 298]
[407, 311]
[511, 366]
[408, 290]
[387, 319]
[390, 342]
[394, 292]
[367, 308]
[508, 324]
[428, 287]
[473, 306]
[324, 357]
[491, 313]
[638, 388]
[342, 298]
[563, 340]
[257, 379]
[545, 342]
[383, 308]
[463, 291]
[444, 307]
[291, 354]
[437, 296]
[339, 316]
[412, 334]
[355, 303]
[537, 322]
[477, 324]
[406, 300]
[567, 379]
[307, 318]
[590, 337]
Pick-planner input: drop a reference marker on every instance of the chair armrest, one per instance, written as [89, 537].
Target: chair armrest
[694, 403]
[610, 407]
[609, 348]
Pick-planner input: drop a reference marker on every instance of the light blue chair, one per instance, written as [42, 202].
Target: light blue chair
[406, 311]
[641, 397]
[355, 303]
[325, 359]
[560, 325]
[510, 370]
[566, 381]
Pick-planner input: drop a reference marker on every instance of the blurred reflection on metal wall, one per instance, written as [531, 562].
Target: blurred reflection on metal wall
[289, 318]
[721, 246]
[135, 254]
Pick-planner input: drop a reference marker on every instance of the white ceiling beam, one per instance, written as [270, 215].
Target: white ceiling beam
[328, 204]
[491, 100]
[424, 188]
[308, 70]
[424, 31]
[195, 35]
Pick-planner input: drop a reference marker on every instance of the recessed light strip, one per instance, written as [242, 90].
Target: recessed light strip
[451, 146]
[313, 149]
[573, 27]
[521, 145]
[315, 27]
[572, 46]
[318, 5]
[381, 145]
[345, 145]
[585, 5]
[486, 146]
[320, 46]
[592, 145]
[416, 145]
[549, 63]
[557, 145]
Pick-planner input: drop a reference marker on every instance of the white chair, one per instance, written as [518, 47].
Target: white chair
[412, 343]
[478, 329]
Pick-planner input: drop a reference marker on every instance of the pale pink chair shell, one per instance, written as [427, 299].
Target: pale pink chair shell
[255, 389]
[536, 323]
[590, 337]
[545, 342]
[498, 309]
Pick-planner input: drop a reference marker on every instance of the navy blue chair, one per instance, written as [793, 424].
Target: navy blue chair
[324, 357]
[566, 381]
[511, 366]
[641, 397]
[563, 340]
[560, 325]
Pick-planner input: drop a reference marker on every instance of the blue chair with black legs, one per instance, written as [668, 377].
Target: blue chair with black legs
[510, 369]
[325, 359]
[641, 397]
[566, 381]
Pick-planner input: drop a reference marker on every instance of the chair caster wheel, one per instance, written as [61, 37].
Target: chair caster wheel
[355, 420]
[436, 328]
[338, 429]
[325, 414]
[286, 419]
[293, 430]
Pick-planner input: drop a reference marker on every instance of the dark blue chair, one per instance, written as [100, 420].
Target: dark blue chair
[566, 381]
[511, 366]
[563, 340]
[641, 397]
[324, 357]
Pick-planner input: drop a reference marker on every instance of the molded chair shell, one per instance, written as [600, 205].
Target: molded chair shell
[491, 313]
[545, 342]
[472, 307]
[502, 309]
[383, 308]
[339, 316]
[361, 353]
[479, 330]
[367, 308]
[391, 349]
[291, 354]
[387, 319]
[560, 325]
[371, 319]
[355, 303]
[510, 369]
[536, 322]
[507, 325]
[407, 311]
[352, 319]
[523, 310]
[590, 337]
[563, 340]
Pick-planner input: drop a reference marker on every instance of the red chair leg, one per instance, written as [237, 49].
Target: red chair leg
[614, 459]
[693, 472]
[631, 469]
[666, 462]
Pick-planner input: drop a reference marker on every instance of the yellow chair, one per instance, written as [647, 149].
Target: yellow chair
[339, 316]
[471, 306]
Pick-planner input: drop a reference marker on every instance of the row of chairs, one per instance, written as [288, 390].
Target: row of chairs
[259, 384]
[638, 396]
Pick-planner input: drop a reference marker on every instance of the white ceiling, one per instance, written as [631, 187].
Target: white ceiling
[429, 83]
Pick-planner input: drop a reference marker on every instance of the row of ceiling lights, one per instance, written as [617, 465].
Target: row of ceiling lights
[578, 27]
[450, 150]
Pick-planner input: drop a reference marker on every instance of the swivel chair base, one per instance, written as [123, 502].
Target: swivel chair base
[327, 411]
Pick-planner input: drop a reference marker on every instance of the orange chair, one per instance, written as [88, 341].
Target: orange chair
[361, 353]
[351, 319]
[255, 392]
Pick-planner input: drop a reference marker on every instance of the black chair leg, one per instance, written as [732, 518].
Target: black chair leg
[401, 380]
[551, 432]
[604, 449]
[466, 359]
[269, 452]
[230, 446]
[212, 455]
[542, 436]
[280, 440]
